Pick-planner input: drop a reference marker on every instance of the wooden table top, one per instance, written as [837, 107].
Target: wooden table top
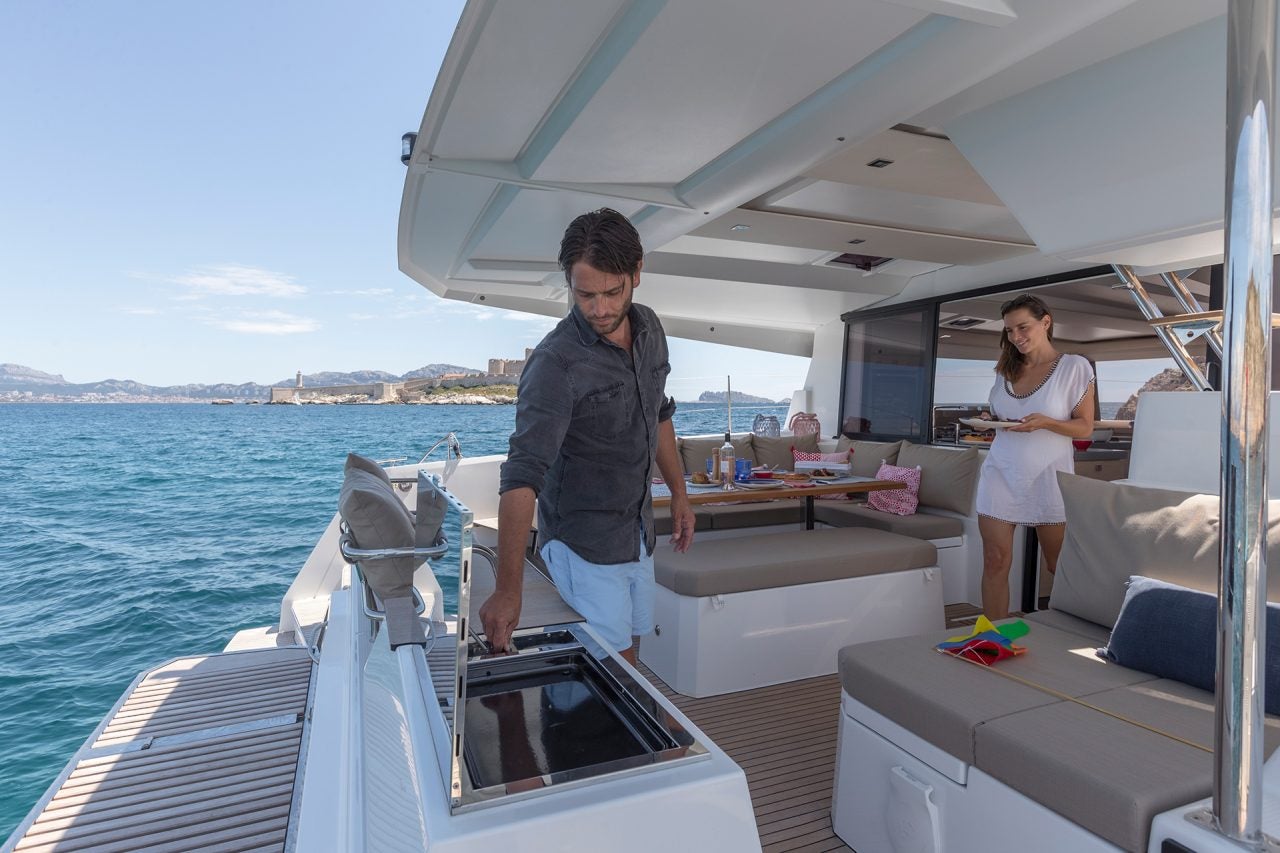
[712, 496]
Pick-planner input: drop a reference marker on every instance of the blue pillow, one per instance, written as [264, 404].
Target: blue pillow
[1171, 632]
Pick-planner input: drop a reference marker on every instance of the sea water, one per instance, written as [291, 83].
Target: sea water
[133, 534]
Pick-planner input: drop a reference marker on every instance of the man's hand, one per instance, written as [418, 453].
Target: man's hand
[499, 615]
[682, 522]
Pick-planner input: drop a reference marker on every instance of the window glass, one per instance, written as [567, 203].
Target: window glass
[888, 376]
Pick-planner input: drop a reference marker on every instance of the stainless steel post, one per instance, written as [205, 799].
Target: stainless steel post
[1191, 305]
[1238, 756]
[1171, 341]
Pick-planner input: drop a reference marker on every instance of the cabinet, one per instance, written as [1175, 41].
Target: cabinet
[1103, 469]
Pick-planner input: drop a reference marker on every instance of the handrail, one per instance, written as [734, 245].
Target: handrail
[450, 440]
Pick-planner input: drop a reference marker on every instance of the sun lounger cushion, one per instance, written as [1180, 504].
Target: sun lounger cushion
[949, 476]
[776, 452]
[1096, 634]
[943, 699]
[722, 566]
[922, 525]
[1107, 775]
[1115, 530]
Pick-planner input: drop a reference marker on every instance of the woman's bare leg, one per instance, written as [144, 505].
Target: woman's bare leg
[997, 555]
[1051, 536]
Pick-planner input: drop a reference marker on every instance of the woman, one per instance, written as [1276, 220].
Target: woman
[1050, 395]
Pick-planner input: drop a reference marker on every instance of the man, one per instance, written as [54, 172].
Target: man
[592, 417]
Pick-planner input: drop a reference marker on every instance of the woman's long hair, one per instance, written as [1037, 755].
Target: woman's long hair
[1011, 360]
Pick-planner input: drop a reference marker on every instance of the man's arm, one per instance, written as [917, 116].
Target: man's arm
[501, 611]
[682, 519]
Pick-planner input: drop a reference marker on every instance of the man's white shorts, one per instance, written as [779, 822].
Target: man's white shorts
[616, 600]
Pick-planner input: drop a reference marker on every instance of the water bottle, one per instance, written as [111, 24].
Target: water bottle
[726, 463]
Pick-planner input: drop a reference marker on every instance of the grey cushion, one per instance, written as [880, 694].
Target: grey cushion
[737, 516]
[1107, 775]
[948, 476]
[776, 452]
[364, 463]
[768, 561]
[662, 520]
[694, 452]
[1116, 530]
[377, 518]
[1095, 634]
[922, 525]
[867, 455]
[942, 699]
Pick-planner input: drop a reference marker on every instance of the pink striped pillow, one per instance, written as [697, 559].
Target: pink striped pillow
[805, 456]
[897, 501]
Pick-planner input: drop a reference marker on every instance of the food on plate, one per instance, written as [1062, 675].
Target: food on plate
[981, 438]
[700, 478]
[791, 475]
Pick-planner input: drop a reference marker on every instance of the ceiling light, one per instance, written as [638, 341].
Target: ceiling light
[740, 228]
[856, 241]
[880, 163]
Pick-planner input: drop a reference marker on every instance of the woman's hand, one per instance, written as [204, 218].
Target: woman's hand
[1033, 422]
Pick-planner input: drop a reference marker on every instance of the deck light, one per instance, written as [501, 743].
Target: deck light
[880, 163]
[856, 240]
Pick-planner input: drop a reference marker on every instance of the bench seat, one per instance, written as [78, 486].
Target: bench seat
[1107, 776]
[765, 608]
[769, 561]
[922, 525]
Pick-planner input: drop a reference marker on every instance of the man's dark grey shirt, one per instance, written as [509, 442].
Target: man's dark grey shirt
[587, 434]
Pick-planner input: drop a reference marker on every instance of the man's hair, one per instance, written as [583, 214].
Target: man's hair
[604, 239]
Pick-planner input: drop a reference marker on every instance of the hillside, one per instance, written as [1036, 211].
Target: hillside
[738, 397]
[19, 382]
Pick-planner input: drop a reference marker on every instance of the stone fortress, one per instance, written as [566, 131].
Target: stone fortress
[502, 371]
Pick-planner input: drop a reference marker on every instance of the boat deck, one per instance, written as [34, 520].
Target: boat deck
[790, 776]
[200, 754]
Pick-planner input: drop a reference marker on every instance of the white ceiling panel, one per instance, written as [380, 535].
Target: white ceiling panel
[532, 225]
[903, 210]
[722, 67]
[484, 121]
[921, 164]
[880, 241]
[742, 249]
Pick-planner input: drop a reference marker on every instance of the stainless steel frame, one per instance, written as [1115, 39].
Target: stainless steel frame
[1238, 746]
[536, 645]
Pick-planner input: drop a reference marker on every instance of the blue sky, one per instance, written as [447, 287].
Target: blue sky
[209, 192]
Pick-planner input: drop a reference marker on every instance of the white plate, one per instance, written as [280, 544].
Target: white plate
[979, 423]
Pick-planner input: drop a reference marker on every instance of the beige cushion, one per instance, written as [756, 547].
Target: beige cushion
[1109, 776]
[948, 475]
[694, 452]
[922, 525]
[737, 516]
[662, 520]
[1115, 530]
[776, 452]
[943, 699]
[867, 455]
[1096, 634]
[364, 463]
[721, 566]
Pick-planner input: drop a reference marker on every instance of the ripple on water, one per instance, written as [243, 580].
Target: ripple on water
[141, 533]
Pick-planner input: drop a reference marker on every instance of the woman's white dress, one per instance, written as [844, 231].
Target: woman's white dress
[1019, 479]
